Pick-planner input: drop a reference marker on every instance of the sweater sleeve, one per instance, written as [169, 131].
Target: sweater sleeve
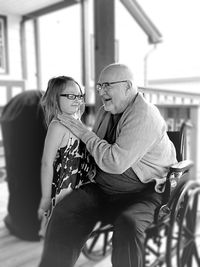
[137, 132]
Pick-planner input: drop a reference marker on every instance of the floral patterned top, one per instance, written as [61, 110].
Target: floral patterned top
[71, 166]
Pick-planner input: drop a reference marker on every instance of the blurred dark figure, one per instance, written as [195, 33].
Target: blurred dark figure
[23, 130]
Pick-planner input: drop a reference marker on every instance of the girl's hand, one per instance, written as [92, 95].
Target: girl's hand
[91, 174]
[44, 206]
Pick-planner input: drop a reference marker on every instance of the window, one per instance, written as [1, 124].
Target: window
[3, 45]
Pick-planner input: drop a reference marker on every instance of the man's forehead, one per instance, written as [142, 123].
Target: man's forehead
[112, 76]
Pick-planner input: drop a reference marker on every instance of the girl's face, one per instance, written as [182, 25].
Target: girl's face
[69, 105]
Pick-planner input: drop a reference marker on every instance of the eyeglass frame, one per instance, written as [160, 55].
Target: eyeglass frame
[105, 85]
[73, 96]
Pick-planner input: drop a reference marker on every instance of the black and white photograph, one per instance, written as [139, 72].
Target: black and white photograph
[99, 133]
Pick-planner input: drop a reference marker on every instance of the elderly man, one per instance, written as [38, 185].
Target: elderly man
[132, 152]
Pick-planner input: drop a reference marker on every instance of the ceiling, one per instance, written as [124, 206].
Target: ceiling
[23, 7]
[33, 8]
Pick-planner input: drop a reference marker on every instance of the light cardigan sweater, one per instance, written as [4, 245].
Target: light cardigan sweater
[141, 143]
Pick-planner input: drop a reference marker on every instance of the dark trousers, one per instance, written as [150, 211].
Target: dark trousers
[75, 216]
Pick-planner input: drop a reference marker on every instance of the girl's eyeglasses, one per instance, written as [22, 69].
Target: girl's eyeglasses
[73, 97]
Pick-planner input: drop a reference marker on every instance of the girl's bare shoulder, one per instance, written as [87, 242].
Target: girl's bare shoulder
[56, 128]
[57, 125]
[60, 131]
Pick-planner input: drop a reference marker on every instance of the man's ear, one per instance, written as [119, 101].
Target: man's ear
[128, 86]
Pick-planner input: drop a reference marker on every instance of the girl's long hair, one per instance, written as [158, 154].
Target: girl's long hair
[50, 100]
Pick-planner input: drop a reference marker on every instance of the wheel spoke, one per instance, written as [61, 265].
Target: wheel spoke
[196, 254]
[187, 232]
[191, 217]
[93, 243]
[186, 255]
[106, 243]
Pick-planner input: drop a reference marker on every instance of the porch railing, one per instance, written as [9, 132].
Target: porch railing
[169, 97]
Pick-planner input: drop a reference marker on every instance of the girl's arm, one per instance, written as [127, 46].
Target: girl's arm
[53, 140]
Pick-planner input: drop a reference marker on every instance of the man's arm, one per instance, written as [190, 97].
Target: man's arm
[138, 131]
[135, 138]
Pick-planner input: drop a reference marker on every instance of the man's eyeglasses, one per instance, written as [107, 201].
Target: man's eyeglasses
[73, 96]
[106, 85]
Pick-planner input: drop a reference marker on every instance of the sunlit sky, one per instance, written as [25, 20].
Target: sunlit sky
[178, 21]
[177, 56]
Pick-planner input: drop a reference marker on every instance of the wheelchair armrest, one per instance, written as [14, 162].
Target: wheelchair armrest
[181, 166]
[175, 173]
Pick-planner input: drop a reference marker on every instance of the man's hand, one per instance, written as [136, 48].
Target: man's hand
[75, 126]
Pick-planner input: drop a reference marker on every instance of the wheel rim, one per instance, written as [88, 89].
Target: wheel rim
[181, 242]
[99, 245]
[188, 247]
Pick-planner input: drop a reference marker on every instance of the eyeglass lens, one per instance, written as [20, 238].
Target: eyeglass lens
[72, 96]
[106, 85]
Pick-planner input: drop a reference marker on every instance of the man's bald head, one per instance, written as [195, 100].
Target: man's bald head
[117, 72]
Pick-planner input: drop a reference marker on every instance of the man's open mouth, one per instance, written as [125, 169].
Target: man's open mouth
[107, 99]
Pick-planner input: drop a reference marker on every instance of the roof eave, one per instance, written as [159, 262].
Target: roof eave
[154, 35]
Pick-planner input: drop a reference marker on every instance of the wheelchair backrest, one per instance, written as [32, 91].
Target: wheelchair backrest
[178, 139]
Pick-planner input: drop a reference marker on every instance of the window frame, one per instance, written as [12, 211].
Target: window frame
[3, 45]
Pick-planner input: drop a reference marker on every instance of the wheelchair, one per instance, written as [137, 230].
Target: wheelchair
[173, 239]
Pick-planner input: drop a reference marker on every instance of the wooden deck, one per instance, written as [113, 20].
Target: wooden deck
[15, 252]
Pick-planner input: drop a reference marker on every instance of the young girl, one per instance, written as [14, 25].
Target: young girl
[65, 162]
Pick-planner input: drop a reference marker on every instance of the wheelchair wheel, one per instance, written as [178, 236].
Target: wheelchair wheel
[155, 245]
[99, 244]
[183, 241]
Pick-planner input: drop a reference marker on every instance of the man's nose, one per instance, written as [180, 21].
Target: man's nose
[102, 91]
[78, 99]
